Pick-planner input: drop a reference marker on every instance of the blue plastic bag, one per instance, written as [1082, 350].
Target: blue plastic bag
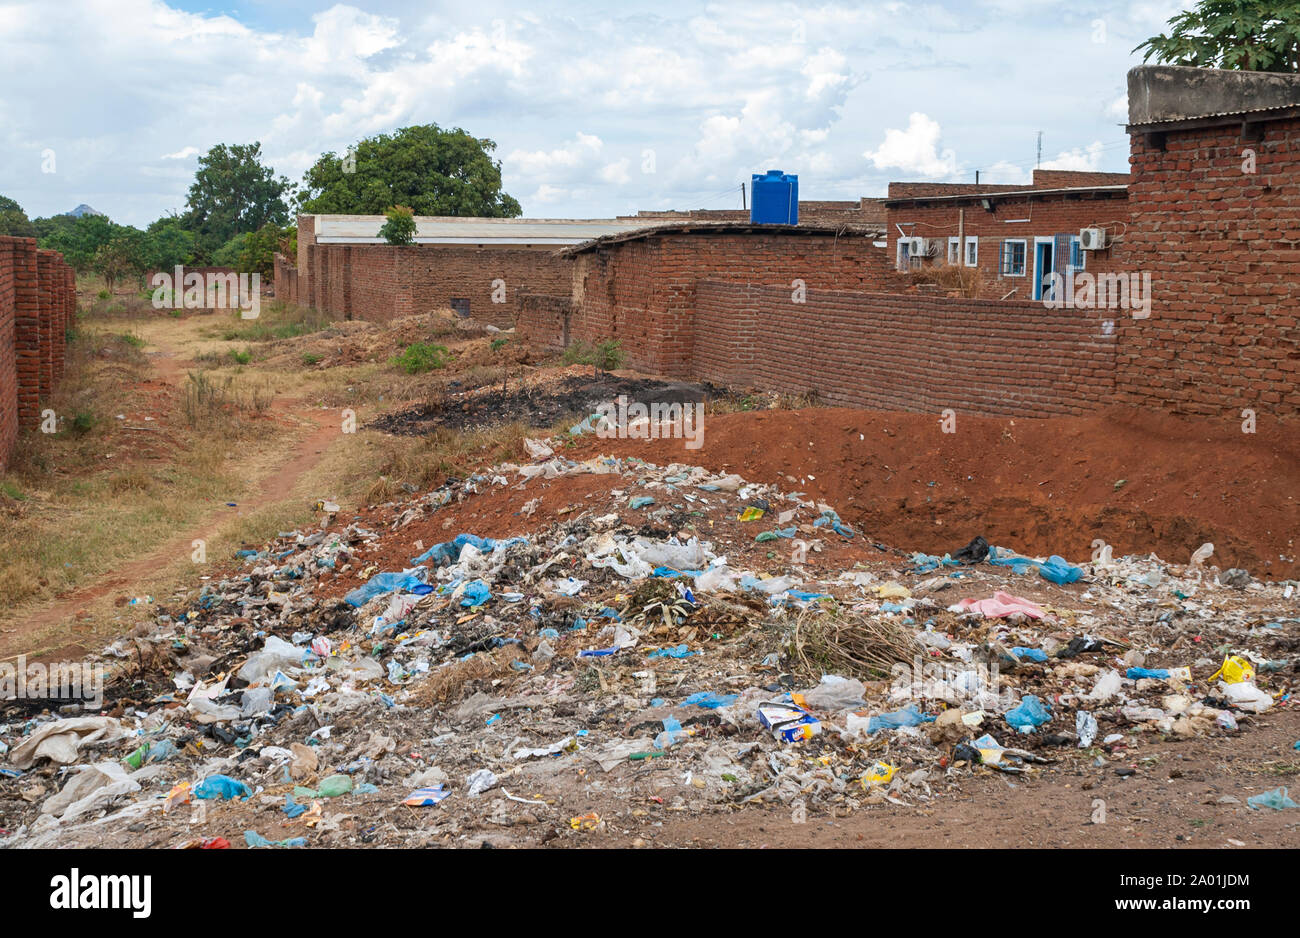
[908, 716]
[382, 583]
[1030, 715]
[1033, 654]
[223, 787]
[476, 594]
[711, 701]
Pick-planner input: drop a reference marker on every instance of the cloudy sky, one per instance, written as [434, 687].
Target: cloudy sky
[597, 109]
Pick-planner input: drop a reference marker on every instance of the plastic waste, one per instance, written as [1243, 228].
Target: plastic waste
[382, 583]
[223, 787]
[1107, 686]
[254, 839]
[1246, 696]
[908, 716]
[835, 693]
[1277, 799]
[1029, 715]
[1085, 726]
[788, 721]
[710, 701]
[1160, 674]
[476, 593]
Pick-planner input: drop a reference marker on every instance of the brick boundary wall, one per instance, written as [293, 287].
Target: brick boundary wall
[286, 280]
[642, 291]
[38, 298]
[911, 352]
[1223, 250]
[545, 320]
[380, 282]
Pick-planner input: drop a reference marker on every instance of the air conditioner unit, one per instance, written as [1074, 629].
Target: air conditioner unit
[1092, 239]
[915, 247]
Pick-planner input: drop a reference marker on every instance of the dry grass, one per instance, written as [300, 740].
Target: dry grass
[851, 645]
[950, 278]
[408, 464]
[453, 682]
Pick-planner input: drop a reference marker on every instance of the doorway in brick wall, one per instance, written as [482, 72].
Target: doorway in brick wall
[460, 306]
[1044, 254]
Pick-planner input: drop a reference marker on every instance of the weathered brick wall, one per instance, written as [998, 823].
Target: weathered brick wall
[380, 282]
[545, 320]
[37, 305]
[286, 280]
[642, 291]
[1223, 250]
[910, 352]
[8, 359]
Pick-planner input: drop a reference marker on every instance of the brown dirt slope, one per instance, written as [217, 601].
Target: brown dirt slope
[1039, 486]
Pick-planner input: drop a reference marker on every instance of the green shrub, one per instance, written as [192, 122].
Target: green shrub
[310, 358]
[104, 295]
[400, 227]
[241, 358]
[609, 355]
[499, 343]
[579, 353]
[422, 356]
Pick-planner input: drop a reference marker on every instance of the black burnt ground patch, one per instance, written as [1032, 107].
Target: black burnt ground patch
[538, 406]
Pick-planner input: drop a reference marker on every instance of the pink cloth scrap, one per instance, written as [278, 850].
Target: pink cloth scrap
[1002, 604]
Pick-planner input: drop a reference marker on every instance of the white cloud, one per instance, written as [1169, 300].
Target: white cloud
[1082, 159]
[915, 150]
[572, 100]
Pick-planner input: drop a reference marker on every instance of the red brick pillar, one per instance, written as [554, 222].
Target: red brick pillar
[45, 261]
[27, 331]
[8, 374]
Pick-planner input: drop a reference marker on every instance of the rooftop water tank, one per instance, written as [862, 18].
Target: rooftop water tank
[775, 199]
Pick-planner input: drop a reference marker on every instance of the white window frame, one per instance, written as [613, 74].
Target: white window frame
[1024, 266]
[954, 251]
[972, 252]
[903, 259]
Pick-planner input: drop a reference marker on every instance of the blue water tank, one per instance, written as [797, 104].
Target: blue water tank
[774, 199]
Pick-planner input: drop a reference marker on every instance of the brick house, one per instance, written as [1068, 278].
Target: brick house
[1013, 237]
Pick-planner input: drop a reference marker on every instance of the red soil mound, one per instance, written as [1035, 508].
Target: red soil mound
[1038, 486]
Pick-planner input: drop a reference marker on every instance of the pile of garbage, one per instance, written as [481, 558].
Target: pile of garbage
[637, 640]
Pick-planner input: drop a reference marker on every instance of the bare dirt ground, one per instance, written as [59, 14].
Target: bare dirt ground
[1140, 481]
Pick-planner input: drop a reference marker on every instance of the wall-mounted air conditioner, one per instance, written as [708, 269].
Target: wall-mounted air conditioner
[1092, 239]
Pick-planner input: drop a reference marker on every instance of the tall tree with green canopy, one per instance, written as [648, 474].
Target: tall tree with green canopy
[79, 241]
[14, 221]
[431, 170]
[1246, 35]
[232, 194]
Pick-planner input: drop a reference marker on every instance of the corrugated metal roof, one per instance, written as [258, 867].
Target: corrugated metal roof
[364, 229]
[869, 231]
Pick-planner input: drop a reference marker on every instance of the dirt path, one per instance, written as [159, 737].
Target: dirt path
[274, 487]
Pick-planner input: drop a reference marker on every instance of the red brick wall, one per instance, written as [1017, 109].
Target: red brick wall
[910, 353]
[286, 280]
[8, 361]
[37, 304]
[1223, 250]
[381, 282]
[642, 291]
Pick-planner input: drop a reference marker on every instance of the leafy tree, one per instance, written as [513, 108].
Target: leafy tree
[45, 227]
[233, 194]
[257, 254]
[166, 244]
[119, 258]
[432, 170]
[14, 221]
[400, 227]
[79, 241]
[228, 254]
[1248, 35]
